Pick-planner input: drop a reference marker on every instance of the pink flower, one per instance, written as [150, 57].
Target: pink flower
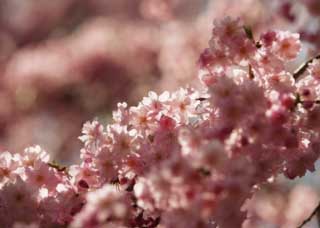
[122, 139]
[308, 88]
[42, 176]
[121, 115]
[314, 69]
[287, 45]
[92, 132]
[84, 176]
[227, 29]
[106, 164]
[33, 156]
[19, 203]
[154, 102]
[103, 206]
[8, 166]
[267, 62]
[61, 207]
[141, 117]
[268, 38]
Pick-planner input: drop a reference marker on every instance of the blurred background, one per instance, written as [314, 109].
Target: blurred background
[64, 62]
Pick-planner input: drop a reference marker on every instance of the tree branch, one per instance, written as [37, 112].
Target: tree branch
[317, 209]
[297, 73]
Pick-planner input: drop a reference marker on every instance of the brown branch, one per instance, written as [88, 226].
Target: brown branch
[250, 36]
[56, 166]
[315, 211]
[249, 32]
[297, 73]
[251, 74]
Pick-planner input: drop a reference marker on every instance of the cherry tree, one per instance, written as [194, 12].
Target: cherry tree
[188, 158]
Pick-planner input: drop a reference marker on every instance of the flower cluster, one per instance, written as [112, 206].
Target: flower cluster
[35, 190]
[304, 16]
[56, 56]
[190, 158]
[52, 69]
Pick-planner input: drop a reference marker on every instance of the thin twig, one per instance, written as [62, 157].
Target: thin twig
[249, 33]
[251, 74]
[297, 73]
[318, 218]
[317, 209]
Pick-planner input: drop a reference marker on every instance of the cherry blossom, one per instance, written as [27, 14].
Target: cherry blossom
[190, 157]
